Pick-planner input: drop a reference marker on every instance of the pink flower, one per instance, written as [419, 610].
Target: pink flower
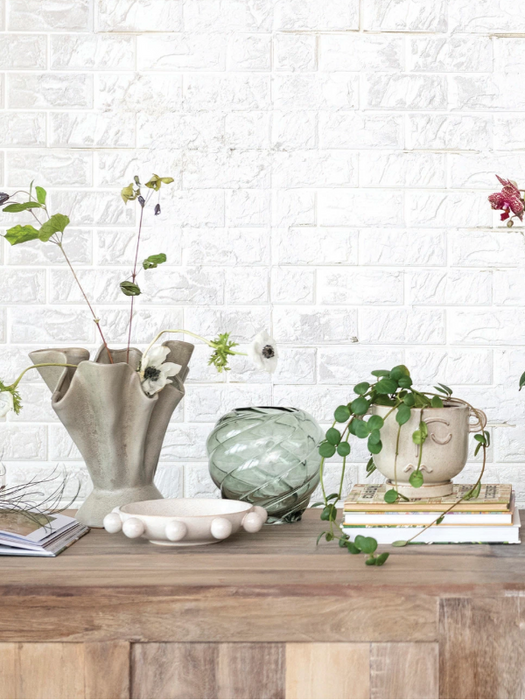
[508, 200]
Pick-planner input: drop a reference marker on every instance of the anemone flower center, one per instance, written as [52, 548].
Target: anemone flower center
[152, 373]
[268, 352]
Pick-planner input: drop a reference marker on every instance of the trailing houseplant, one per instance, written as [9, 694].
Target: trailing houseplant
[388, 399]
[116, 407]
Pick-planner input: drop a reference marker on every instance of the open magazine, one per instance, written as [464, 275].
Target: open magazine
[38, 536]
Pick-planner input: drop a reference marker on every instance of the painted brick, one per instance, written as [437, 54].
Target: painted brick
[336, 286]
[347, 52]
[402, 248]
[49, 90]
[294, 52]
[47, 15]
[92, 51]
[449, 132]
[311, 14]
[133, 16]
[398, 91]
[406, 15]
[19, 51]
[454, 55]
[455, 288]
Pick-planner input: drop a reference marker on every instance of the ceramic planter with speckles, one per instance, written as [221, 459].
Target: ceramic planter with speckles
[118, 430]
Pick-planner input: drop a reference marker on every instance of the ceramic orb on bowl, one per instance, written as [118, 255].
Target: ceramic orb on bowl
[267, 456]
[184, 522]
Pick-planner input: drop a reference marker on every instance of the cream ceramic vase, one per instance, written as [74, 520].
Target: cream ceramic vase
[445, 451]
[118, 430]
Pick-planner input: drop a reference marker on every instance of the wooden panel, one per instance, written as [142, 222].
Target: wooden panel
[216, 615]
[481, 648]
[251, 670]
[197, 670]
[8, 670]
[51, 670]
[327, 671]
[64, 670]
[174, 670]
[107, 670]
[404, 670]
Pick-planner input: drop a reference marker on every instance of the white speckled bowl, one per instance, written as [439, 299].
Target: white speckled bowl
[185, 522]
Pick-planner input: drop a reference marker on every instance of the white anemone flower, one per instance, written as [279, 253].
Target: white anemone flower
[6, 403]
[154, 372]
[262, 351]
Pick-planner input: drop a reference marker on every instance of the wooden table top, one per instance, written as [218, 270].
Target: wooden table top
[279, 558]
[275, 586]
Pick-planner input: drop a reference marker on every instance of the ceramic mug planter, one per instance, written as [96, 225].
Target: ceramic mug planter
[185, 522]
[118, 430]
[445, 451]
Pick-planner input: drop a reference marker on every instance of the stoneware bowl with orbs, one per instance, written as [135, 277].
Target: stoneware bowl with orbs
[185, 522]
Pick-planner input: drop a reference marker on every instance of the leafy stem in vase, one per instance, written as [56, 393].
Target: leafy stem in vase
[51, 231]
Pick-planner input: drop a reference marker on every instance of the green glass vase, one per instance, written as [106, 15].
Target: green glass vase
[267, 456]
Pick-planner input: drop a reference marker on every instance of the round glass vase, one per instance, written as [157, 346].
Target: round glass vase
[268, 457]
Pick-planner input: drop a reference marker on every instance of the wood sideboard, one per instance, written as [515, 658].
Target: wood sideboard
[262, 616]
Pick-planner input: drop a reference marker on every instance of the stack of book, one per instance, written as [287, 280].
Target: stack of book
[38, 535]
[490, 518]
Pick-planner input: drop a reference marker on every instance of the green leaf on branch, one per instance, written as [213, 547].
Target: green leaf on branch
[41, 195]
[360, 428]
[359, 406]
[416, 479]
[381, 372]
[368, 545]
[343, 449]
[319, 537]
[381, 558]
[154, 261]
[419, 436]
[375, 437]
[130, 289]
[55, 224]
[370, 466]
[342, 414]
[332, 496]
[21, 234]
[403, 414]
[399, 543]
[386, 386]
[329, 537]
[371, 561]
[129, 193]
[24, 206]
[444, 389]
[333, 436]
[375, 422]
[436, 402]
[352, 548]
[329, 512]
[326, 450]
[522, 381]
[374, 448]
[362, 388]
[391, 496]
[440, 520]
[473, 493]
[405, 382]
[409, 400]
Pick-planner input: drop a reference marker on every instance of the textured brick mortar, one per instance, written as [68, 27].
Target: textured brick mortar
[331, 160]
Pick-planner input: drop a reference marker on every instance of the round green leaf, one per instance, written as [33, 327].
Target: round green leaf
[359, 406]
[390, 496]
[374, 447]
[130, 289]
[368, 545]
[360, 428]
[399, 543]
[333, 436]
[326, 450]
[352, 548]
[416, 479]
[343, 449]
[380, 372]
[405, 382]
[342, 414]
[375, 437]
[381, 558]
[386, 386]
[371, 561]
[403, 414]
[362, 388]
[375, 422]
[436, 402]
[409, 400]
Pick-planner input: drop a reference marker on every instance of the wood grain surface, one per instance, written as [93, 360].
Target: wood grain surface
[266, 615]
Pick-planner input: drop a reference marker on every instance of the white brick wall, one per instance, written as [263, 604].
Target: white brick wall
[332, 160]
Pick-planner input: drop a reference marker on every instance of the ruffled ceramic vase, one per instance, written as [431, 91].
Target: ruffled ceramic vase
[118, 429]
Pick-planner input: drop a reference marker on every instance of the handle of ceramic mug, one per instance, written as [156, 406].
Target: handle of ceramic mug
[480, 420]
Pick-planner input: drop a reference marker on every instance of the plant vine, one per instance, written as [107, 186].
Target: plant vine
[393, 389]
